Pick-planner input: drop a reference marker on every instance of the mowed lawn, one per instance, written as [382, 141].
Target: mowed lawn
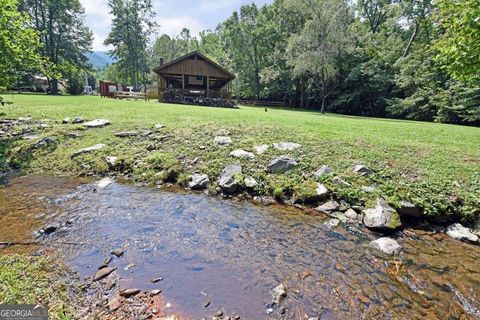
[434, 165]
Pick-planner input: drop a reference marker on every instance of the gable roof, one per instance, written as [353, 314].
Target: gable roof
[190, 55]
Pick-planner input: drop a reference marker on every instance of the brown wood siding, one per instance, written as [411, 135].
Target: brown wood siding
[194, 68]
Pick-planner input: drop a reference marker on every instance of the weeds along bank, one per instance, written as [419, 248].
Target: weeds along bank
[332, 163]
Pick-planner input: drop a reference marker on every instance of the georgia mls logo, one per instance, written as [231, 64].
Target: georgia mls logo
[23, 312]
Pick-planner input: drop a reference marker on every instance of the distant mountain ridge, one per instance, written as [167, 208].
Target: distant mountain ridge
[99, 59]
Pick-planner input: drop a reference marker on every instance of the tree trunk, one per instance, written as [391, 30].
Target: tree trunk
[54, 86]
[302, 93]
[412, 38]
[322, 110]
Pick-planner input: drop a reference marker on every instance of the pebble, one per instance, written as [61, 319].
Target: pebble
[129, 292]
[117, 252]
[102, 273]
[155, 292]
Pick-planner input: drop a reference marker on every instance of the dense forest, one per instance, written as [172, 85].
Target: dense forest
[411, 59]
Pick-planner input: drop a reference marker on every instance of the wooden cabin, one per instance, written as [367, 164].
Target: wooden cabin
[194, 79]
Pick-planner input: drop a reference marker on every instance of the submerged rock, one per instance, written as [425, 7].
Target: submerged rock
[386, 245]
[362, 170]
[88, 150]
[97, 123]
[117, 252]
[261, 149]
[103, 183]
[459, 232]
[323, 171]
[49, 229]
[332, 223]
[199, 181]
[264, 200]
[242, 154]
[278, 293]
[228, 178]
[102, 273]
[408, 209]
[281, 164]
[381, 217]
[283, 146]
[221, 141]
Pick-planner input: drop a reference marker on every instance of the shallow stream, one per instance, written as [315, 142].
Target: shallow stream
[233, 253]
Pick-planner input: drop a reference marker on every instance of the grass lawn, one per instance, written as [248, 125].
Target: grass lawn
[436, 166]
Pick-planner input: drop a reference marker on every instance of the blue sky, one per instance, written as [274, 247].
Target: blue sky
[172, 16]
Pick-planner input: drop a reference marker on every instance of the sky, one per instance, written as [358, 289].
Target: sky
[172, 16]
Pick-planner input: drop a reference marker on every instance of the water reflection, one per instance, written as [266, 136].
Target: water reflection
[233, 253]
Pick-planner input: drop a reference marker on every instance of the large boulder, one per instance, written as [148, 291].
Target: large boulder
[459, 232]
[222, 141]
[242, 154]
[283, 146]
[381, 217]
[281, 164]
[386, 245]
[97, 123]
[199, 181]
[229, 181]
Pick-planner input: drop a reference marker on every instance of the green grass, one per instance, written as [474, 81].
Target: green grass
[434, 165]
[31, 280]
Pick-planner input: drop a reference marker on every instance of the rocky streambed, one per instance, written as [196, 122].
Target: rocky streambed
[145, 253]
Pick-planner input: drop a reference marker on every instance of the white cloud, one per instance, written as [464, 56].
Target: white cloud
[174, 25]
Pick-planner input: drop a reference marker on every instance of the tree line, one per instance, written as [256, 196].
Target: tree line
[411, 59]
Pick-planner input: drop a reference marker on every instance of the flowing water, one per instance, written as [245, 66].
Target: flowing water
[232, 253]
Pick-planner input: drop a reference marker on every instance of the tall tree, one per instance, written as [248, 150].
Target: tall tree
[243, 38]
[314, 51]
[459, 42]
[132, 26]
[64, 36]
[19, 44]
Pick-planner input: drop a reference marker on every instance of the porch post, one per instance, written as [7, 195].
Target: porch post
[208, 86]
